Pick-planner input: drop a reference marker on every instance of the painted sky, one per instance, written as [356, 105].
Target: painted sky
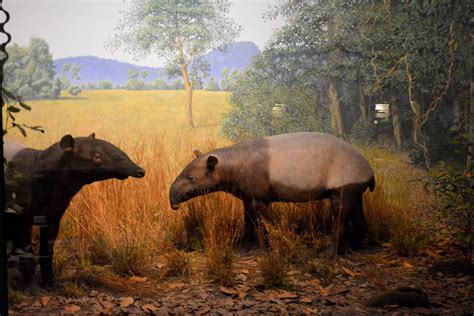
[81, 27]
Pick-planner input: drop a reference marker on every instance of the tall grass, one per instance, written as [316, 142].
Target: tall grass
[127, 224]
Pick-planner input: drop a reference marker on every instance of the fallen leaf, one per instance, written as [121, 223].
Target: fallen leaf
[242, 277]
[149, 308]
[203, 310]
[349, 272]
[431, 253]
[315, 282]
[138, 279]
[442, 243]
[160, 265]
[274, 299]
[45, 300]
[407, 265]
[176, 285]
[306, 300]
[286, 295]
[72, 309]
[126, 302]
[323, 292]
[107, 306]
[228, 291]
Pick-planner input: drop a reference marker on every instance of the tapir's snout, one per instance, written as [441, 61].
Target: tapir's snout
[139, 173]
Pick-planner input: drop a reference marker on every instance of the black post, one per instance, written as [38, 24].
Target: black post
[4, 17]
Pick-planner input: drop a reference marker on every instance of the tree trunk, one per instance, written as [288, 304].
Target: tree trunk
[188, 86]
[397, 128]
[362, 104]
[456, 108]
[470, 148]
[335, 109]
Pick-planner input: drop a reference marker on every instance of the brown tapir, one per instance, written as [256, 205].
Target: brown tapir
[295, 167]
[43, 183]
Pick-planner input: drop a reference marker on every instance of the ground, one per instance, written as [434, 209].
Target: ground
[106, 221]
[359, 277]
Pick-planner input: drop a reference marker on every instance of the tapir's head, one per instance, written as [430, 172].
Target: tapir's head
[201, 176]
[92, 159]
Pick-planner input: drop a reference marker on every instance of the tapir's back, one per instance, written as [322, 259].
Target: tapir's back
[11, 148]
[308, 162]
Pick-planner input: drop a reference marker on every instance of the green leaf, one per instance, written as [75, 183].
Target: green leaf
[8, 94]
[21, 129]
[25, 106]
[13, 109]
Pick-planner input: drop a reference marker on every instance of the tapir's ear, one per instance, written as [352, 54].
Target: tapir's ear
[212, 162]
[92, 135]
[67, 142]
[197, 153]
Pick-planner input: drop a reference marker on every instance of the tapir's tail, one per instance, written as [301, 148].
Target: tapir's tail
[371, 184]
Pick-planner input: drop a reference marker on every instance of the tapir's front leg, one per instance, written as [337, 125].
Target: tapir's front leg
[48, 234]
[253, 212]
[19, 230]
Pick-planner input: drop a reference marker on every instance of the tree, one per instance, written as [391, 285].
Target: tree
[75, 72]
[182, 31]
[29, 71]
[212, 85]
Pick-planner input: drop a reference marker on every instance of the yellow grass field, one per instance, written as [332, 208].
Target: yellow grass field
[127, 224]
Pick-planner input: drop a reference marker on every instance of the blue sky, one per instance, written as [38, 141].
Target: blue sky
[80, 27]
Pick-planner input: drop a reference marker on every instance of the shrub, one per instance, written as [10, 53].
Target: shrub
[74, 90]
[455, 188]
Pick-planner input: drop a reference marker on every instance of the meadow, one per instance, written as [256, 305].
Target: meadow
[126, 225]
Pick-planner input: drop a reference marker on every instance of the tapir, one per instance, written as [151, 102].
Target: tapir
[295, 167]
[43, 183]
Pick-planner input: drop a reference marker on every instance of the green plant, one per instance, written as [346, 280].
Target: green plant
[456, 190]
[178, 263]
[322, 269]
[74, 90]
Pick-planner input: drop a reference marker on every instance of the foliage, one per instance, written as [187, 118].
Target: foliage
[262, 106]
[74, 90]
[212, 85]
[456, 190]
[14, 105]
[29, 71]
[180, 31]
[363, 133]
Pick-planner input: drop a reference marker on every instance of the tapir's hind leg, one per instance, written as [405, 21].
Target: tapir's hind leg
[359, 223]
[340, 204]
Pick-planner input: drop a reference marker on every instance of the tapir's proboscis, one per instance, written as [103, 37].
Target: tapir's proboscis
[296, 167]
[43, 183]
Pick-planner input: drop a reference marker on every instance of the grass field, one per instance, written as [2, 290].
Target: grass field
[126, 224]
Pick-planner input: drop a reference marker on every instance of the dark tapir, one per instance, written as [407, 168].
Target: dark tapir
[296, 167]
[43, 182]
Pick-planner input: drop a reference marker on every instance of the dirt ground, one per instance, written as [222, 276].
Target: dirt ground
[359, 277]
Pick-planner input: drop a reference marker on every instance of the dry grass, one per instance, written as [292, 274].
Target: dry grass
[127, 224]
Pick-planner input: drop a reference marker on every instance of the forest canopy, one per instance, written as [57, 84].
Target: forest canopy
[334, 60]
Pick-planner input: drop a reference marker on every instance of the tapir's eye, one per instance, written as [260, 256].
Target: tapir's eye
[190, 178]
[97, 158]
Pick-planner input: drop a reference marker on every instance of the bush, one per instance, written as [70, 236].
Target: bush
[363, 133]
[74, 90]
[455, 188]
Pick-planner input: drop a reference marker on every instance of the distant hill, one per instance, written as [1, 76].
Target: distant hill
[93, 69]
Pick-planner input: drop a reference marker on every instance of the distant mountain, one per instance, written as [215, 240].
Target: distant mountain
[93, 69]
[238, 56]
